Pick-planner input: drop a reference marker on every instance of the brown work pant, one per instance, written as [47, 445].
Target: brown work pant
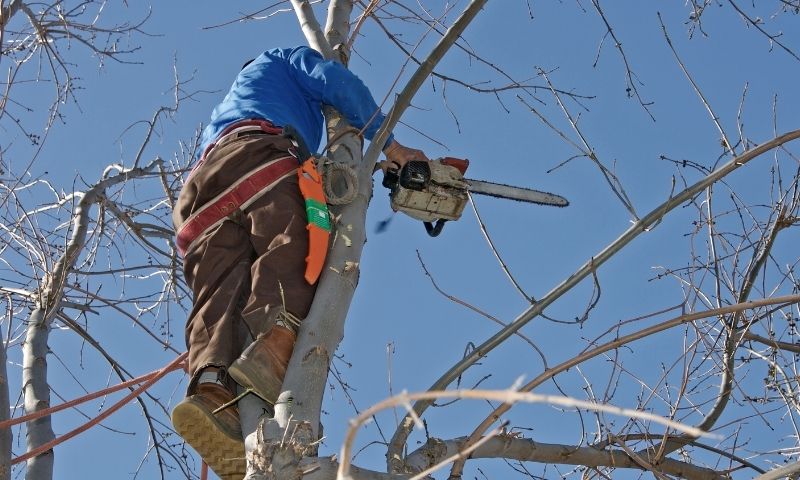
[252, 265]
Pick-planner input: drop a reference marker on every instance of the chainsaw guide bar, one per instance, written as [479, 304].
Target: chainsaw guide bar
[519, 194]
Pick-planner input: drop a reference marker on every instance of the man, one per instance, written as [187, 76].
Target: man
[241, 223]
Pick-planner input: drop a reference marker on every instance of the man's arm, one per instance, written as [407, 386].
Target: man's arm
[333, 84]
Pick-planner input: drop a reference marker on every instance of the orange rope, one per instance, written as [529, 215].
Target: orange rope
[204, 471]
[152, 378]
[77, 401]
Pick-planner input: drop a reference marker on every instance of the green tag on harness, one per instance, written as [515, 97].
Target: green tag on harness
[317, 213]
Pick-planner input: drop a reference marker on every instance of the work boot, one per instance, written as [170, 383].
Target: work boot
[217, 437]
[262, 365]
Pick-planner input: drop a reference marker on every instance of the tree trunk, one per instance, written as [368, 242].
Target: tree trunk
[298, 407]
[323, 328]
[37, 394]
[5, 411]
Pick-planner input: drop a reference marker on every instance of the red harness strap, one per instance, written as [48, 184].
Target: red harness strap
[265, 125]
[239, 195]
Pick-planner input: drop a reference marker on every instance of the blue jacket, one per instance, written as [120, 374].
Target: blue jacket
[288, 86]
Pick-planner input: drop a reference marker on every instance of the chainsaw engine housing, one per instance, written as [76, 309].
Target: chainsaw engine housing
[430, 191]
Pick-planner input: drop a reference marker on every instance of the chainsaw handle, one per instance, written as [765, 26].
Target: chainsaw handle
[390, 178]
[434, 230]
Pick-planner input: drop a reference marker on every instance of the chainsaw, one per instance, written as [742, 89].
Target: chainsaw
[436, 191]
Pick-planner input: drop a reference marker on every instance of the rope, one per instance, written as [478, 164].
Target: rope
[329, 169]
[151, 379]
[204, 471]
[48, 411]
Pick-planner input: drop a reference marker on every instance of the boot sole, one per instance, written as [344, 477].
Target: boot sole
[221, 451]
[243, 374]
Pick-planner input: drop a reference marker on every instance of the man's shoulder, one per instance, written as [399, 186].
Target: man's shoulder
[287, 53]
[275, 57]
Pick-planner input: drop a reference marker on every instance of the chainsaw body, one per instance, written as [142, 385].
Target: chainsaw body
[430, 191]
[436, 191]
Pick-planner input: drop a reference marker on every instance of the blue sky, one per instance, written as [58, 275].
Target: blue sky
[395, 305]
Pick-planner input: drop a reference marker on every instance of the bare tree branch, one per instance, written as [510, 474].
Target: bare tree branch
[523, 449]
[587, 269]
[48, 304]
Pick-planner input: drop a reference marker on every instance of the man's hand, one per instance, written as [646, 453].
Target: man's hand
[397, 155]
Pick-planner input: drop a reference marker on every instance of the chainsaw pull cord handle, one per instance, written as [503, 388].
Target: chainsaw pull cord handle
[434, 229]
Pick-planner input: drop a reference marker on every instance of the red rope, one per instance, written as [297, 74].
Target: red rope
[204, 471]
[152, 378]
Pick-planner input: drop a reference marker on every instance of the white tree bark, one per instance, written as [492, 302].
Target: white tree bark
[789, 471]
[300, 403]
[5, 411]
[323, 329]
[324, 468]
[524, 449]
[337, 27]
[37, 391]
[311, 28]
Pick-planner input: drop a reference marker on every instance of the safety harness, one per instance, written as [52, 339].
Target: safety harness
[256, 183]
